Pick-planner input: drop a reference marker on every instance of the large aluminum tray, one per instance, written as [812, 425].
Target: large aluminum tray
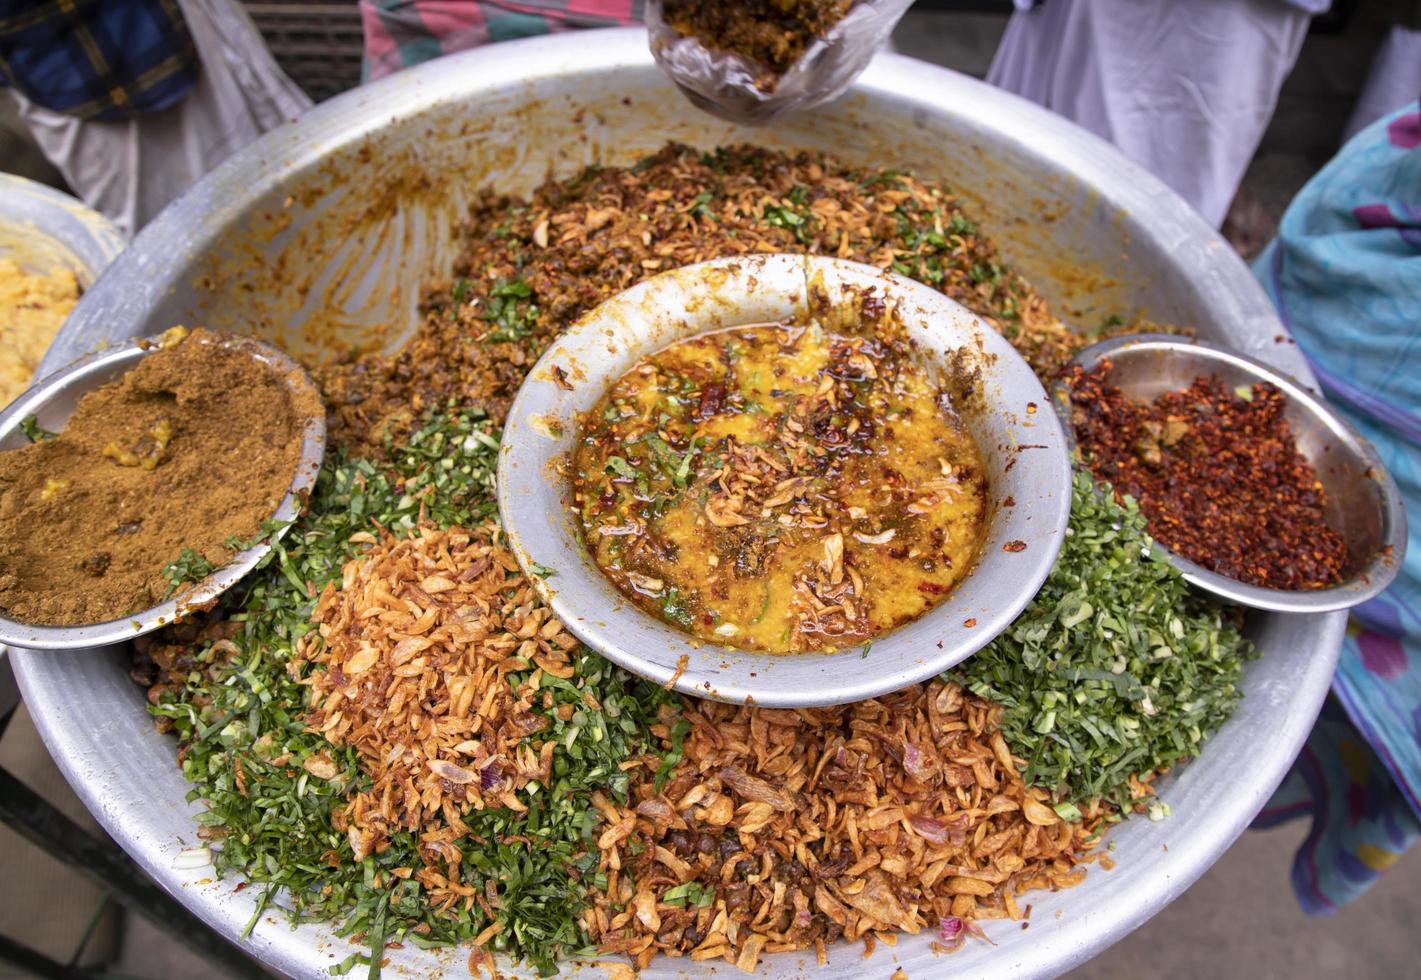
[321, 233]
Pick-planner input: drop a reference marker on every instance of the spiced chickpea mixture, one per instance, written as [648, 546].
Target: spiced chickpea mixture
[780, 487]
[390, 730]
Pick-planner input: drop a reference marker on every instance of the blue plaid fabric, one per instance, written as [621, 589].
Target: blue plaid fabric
[97, 59]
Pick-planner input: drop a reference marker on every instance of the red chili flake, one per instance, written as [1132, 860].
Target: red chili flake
[1014, 546]
[932, 588]
[969, 623]
[712, 401]
[1217, 475]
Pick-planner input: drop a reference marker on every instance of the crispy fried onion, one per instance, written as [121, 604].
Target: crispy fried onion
[789, 830]
[416, 645]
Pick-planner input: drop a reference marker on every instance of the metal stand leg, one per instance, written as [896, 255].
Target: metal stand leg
[23, 958]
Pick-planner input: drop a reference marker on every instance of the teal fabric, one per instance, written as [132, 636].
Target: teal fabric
[1345, 275]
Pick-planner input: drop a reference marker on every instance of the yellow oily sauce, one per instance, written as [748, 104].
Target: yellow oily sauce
[780, 488]
[32, 308]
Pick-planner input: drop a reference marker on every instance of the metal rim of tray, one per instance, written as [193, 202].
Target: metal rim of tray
[1213, 801]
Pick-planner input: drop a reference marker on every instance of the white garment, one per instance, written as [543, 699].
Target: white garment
[1184, 87]
[1394, 80]
[130, 169]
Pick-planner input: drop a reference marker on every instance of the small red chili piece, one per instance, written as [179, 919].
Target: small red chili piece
[1217, 475]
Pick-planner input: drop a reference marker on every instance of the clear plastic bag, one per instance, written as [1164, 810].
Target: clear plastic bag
[732, 87]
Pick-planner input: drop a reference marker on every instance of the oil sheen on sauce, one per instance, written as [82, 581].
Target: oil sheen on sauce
[780, 488]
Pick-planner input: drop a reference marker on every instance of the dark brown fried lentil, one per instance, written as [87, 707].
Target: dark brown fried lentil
[528, 269]
[774, 33]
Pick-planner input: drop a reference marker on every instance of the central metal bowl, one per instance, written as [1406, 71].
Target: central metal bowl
[1022, 445]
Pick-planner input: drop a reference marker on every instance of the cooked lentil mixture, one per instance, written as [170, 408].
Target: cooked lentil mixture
[390, 731]
[1217, 475]
[774, 33]
[780, 487]
[32, 308]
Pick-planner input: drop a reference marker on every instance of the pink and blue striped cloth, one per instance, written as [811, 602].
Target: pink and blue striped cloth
[401, 33]
[1345, 274]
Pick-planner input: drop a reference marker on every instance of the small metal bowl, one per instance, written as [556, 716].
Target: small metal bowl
[1363, 503]
[41, 228]
[53, 400]
[1021, 440]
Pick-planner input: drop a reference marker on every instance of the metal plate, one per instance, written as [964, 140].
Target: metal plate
[54, 399]
[1363, 502]
[323, 230]
[40, 228]
[1023, 451]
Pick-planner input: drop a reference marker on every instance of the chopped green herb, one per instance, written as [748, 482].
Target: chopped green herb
[700, 207]
[1116, 668]
[508, 308]
[676, 607]
[621, 467]
[30, 426]
[246, 714]
[690, 893]
[797, 221]
[188, 567]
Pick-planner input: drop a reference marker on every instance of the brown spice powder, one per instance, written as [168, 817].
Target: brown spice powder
[194, 445]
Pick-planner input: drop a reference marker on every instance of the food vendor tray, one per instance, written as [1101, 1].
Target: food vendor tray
[319, 235]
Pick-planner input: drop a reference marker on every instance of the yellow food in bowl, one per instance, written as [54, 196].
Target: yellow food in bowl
[32, 307]
[781, 488]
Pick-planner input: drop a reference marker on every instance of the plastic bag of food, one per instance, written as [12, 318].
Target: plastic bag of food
[751, 61]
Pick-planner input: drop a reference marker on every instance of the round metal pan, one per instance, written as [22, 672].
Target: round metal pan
[320, 234]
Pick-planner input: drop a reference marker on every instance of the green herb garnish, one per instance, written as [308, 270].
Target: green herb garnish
[244, 712]
[797, 220]
[1116, 668]
[508, 307]
[621, 467]
[30, 426]
[189, 566]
